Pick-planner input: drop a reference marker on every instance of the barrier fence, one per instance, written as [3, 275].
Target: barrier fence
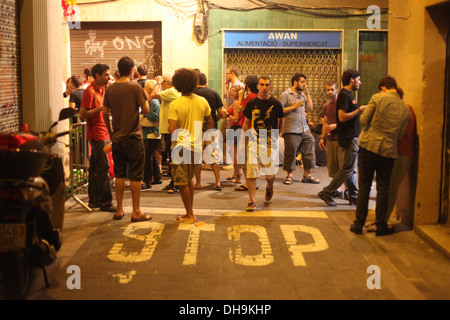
[79, 163]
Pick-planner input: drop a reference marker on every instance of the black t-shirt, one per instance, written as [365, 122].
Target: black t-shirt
[350, 129]
[213, 98]
[264, 114]
[76, 97]
[142, 82]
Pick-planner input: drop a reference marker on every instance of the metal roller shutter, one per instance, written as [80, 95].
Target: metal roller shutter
[107, 42]
[10, 85]
[279, 65]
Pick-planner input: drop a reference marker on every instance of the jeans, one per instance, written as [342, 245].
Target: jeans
[99, 188]
[347, 173]
[292, 142]
[368, 164]
[151, 167]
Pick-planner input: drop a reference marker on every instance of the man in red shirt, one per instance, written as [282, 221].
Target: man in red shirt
[99, 188]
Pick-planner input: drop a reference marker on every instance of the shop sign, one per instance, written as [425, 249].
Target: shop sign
[282, 39]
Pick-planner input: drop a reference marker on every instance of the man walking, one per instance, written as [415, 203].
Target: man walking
[296, 132]
[123, 100]
[186, 113]
[348, 129]
[329, 138]
[262, 115]
[99, 187]
[383, 124]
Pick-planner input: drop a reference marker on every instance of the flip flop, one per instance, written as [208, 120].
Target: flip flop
[218, 188]
[231, 177]
[173, 191]
[116, 217]
[269, 194]
[185, 220]
[241, 188]
[145, 217]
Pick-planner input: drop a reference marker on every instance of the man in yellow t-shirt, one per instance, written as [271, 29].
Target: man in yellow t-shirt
[186, 116]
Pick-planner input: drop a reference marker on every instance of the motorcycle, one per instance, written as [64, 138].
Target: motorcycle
[32, 196]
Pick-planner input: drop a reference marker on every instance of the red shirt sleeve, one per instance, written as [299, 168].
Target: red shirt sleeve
[88, 98]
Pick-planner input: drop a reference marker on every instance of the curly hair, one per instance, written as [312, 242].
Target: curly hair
[185, 80]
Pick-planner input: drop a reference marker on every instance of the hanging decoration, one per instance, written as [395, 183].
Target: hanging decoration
[68, 7]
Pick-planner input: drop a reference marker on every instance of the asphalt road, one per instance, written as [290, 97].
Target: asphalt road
[292, 248]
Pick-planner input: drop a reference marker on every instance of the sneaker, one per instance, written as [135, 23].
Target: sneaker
[356, 229]
[384, 231]
[346, 195]
[93, 206]
[145, 186]
[228, 167]
[337, 194]
[108, 209]
[328, 199]
[251, 206]
[310, 179]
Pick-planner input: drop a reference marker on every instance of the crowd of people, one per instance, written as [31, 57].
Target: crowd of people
[155, 122]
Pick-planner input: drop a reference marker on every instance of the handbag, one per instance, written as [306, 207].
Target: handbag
[147, 123]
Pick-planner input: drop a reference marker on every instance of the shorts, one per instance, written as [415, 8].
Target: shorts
[212, 146]
[262, 161]
[183, 173]
[128, 155]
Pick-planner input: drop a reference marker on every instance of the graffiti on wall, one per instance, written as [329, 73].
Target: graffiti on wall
[107, 45]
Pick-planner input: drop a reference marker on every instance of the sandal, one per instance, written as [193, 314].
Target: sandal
[218, 188]
[144, 217]
[232, 177]
[118, 217]
[288, 180]
[173, 191]
[185, 220]
[251, 206]
[241, 188]
[236, 180]
[269, 194]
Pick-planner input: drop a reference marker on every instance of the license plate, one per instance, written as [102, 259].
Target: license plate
[12, 236]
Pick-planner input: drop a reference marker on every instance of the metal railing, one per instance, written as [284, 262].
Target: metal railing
[79, 162]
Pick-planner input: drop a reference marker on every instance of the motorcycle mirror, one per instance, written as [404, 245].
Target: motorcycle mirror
[66, 113]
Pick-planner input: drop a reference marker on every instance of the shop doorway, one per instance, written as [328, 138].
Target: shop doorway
[279, 65]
